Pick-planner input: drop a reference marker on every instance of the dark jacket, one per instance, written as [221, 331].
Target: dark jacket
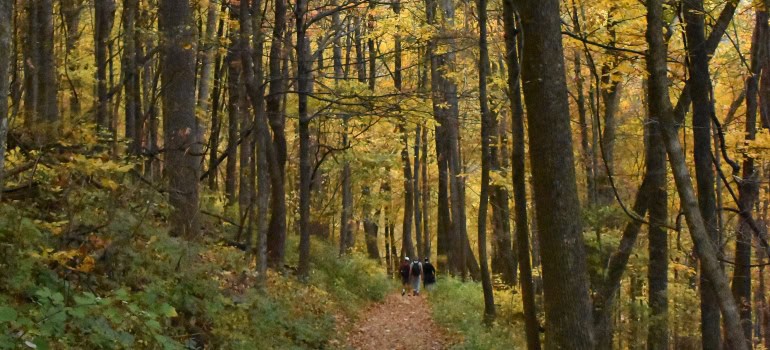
[429, 273]
[404, 271]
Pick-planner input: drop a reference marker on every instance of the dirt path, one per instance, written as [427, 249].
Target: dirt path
[390, 325]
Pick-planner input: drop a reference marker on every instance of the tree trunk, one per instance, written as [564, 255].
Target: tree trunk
[425, 197]
[565, 274]
[748, 188]
[586, 150]
[180, 134]
[235, 111]
[6, 39]
[210, 45]
[407, 247]
[276, 236]
[518, 169]
[657, 273]
[487, 126]
[304, 63]
[130, 68]
[418, 229]
[32, 58]
[700, 91]
[216, 121]
[71, 11]
[104, 17]
[659, 101]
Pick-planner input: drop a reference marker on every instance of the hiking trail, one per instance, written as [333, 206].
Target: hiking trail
[399, 322]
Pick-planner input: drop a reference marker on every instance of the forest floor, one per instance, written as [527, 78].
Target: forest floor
[399, 322]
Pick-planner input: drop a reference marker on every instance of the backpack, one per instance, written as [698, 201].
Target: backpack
[415, 268]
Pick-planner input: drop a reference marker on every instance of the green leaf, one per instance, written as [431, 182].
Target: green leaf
[7, 314]
[168, 310]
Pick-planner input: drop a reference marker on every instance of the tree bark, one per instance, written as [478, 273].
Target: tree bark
[6, 39]
[104, 17]
[518, 170]
[180, 134]
[276, 237]
[304, 63]
[748, 188]
[487, 126]
[235, 112]
[565, 274]
[659, 101]
[700, 92]
[133, 109]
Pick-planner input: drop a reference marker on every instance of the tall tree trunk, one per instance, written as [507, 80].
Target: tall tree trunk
[47, 108]
[418, 232]
[216, 121]
[71, 11]
[655, 159]
[425, 197]
[700, 90]
[235, 111]
[304, 63]
[748, 188]
[178, 94]
[32, 58]
[210, 45]
[259, 139]
[504, 261]
[659, 101]
[565, 274]
[407, 247]
[518, 169]
[104, 17]
[487, 128]
[586, 151]
[276, 236]
[610, 95]
[6, 39]
[130, 68]
[346, 219]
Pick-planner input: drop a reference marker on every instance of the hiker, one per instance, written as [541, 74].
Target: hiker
[403, 269]
[415, 272]
[428, 275]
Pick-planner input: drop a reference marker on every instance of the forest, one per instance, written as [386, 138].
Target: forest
[252, 174]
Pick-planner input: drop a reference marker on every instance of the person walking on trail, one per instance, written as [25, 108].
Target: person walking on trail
[404, 271]
[428, 275]
[415, 274]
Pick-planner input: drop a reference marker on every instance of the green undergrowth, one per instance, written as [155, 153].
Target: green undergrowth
[458, 306]
[87, 263]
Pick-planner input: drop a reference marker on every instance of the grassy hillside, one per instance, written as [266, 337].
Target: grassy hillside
[87, 264]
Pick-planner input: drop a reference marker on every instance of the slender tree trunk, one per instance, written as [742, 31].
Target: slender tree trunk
[216, 121]
[748, 188]
[407, 247]
[700, 91]
[586, 150]
[131, 77]
[518, 170]
[487, 127]
[655, 159]
[659, 101]
[235, 111]
[31, 46]
[565, 274]
[71, 10]
[6, 39]
[276, 237]
[180, 134]
[425, 197]
[418, 229]
[504, 261]
[304, 63]
[210, 45]
[104, 17]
